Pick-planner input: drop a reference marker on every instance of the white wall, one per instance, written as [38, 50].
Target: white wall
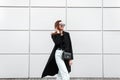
[25, 41]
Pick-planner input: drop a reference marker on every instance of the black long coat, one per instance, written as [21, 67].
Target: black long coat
[51, 67]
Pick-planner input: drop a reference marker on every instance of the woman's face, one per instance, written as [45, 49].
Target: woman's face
[61, 27]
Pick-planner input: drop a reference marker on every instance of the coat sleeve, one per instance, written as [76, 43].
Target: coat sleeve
[71, 50]
[69, 45]
[56, 39]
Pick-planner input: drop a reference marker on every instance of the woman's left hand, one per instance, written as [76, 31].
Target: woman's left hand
[70, 62]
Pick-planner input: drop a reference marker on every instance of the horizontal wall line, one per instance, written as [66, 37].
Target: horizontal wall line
[111, 7]
[62, 7]
[26, 30]
[14, 29]
[54, 78]
[92, 30]
[14, 6]
[55, 7]
[48, 7]
[89, 7]
[23, 30]
[33, 6]
[49, 30]
[50, 53]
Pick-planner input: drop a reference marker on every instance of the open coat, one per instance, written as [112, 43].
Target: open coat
[51, 67]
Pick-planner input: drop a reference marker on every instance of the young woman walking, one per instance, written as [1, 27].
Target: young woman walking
[55, 64]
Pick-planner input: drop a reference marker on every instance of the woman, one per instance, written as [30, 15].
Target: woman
[55, 64]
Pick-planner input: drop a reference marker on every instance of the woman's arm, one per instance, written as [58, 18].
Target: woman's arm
[70, 45]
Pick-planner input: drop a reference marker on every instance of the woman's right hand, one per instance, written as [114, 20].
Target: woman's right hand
[70, 62]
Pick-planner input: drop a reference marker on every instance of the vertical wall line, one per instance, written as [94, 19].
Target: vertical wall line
[102, 45]
[66, 14]
[29, 39]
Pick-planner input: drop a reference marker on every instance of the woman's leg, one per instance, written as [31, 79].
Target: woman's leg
[61, 65]
[59, 77]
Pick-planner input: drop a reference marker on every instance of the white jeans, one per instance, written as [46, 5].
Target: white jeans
[62, 73]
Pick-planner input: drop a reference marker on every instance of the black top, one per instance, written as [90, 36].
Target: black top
[59, 41]
[62, 45]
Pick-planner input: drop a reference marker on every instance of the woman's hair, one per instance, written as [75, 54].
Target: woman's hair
[57, 23]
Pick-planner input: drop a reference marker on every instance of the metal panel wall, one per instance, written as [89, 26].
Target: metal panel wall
[25, 41]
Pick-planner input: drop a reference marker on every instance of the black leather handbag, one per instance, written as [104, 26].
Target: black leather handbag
[66, 55]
